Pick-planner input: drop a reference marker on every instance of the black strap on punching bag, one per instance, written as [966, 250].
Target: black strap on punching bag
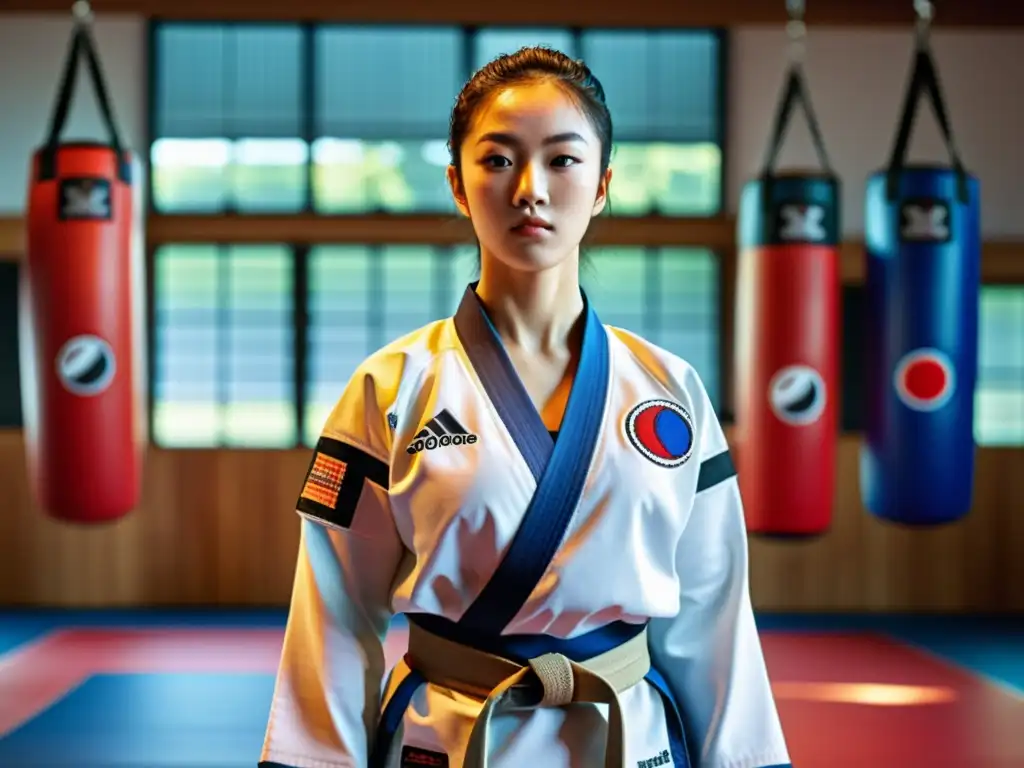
[924, 78]
[795, 90]
[82, 44]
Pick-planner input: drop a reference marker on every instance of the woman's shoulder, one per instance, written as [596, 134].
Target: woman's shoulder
[367, 400]
[672, 370]
[406, 354]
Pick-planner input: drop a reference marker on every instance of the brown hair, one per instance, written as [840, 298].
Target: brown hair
[528, 65]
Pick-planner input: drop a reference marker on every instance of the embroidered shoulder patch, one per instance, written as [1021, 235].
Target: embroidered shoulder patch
[335, 479]
[662, 431]
[415, 757]
[323, 481]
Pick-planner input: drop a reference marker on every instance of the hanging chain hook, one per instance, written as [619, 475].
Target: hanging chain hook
[82, 12]
[925, 13]
[796, 29]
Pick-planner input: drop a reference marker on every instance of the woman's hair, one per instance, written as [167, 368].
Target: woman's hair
[531, 65]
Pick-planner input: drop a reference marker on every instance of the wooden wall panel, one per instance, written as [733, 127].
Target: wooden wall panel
[217, 528]
[610, 13]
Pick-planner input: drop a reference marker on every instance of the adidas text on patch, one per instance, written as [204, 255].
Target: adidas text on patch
[441, 431]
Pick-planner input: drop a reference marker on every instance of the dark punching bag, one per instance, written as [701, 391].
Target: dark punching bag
[787, 339]
[80, 317]
[923, 242]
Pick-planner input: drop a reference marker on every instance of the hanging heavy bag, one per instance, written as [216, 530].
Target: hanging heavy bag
[923, 243]
[787, 337]
[80, 316]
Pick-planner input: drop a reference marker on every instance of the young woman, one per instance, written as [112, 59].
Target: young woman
[550, 501]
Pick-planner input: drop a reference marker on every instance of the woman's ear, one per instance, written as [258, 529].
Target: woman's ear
[458, 193]
[602, 192]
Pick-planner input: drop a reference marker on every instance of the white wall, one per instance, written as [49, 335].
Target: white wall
[32, 53]
[857, 79]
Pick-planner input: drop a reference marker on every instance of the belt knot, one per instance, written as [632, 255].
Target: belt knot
[556, 676]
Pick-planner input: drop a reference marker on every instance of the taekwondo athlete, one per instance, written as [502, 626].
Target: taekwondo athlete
[549, 500]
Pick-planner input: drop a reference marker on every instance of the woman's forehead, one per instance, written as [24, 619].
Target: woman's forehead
[541, 109]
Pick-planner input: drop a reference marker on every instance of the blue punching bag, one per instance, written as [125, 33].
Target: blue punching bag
[923, 242]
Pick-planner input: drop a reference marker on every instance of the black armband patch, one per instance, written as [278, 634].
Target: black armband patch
[335, 480]
[414, 757]
[715, 470]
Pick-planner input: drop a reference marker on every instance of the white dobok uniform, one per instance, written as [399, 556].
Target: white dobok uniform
[436, 491]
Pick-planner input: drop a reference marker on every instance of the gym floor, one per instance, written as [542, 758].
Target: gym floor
[168, 689]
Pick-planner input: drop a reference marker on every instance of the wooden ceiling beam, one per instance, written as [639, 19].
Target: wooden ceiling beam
[611, 13]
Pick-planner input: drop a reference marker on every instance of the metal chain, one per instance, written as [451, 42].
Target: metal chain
[796, 30]
[925, 13]
[82, 12]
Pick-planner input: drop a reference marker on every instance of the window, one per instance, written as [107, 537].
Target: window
[663, 89]
[383, 99]
[361, 298]
[999, 397]
[282, 118]
[228, 119]
[226, 325]
[489, 44]
[667, 295]
[224, 347]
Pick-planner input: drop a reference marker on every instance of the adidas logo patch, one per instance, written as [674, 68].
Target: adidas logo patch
[442, 430]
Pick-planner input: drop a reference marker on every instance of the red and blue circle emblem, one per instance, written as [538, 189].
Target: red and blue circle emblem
[662, 431]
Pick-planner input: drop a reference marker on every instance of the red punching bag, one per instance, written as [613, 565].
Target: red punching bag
[787, 340]
[80, 316]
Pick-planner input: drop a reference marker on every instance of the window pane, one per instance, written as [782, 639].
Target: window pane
[665, 179]
[356, 176]
[999, 397]
[463, 269]
[660, 86]
[663, 91]
[489, 44]
[668, 295]
[217, 175]
[259, 365]
[616, 283]
[189, 87]
[687, 289]
[386, 82]
[411, 289]
[224, 353]
[185, 383]
[341, 298]
[383, 102]
[228, 119]
[228, 81]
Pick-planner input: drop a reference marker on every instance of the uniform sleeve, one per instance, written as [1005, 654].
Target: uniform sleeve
[710, 652]
[327, 695]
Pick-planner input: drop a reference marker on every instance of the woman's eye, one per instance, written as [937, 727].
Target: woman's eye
[563, 161]
[497, 161]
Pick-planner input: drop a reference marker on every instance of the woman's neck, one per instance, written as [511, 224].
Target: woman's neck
[533, 311]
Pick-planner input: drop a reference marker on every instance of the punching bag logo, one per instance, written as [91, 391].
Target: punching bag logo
[85, 199]
[85, 365]
[925, 379]
[797, 395]
[802, 223]
[925, 221]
